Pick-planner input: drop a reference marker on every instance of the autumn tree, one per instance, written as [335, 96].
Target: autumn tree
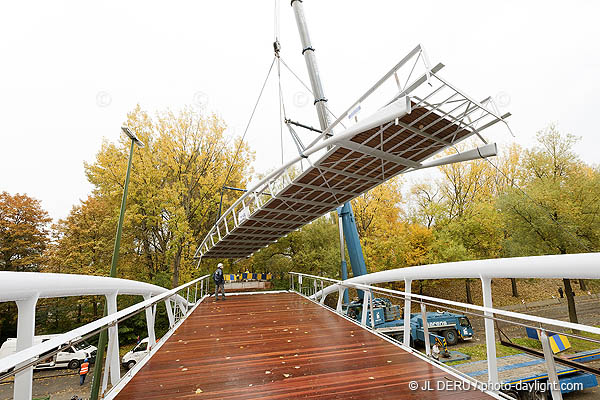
[23, 239]
[313, 249]
[23, 232]
[174, 191]
[558, 211]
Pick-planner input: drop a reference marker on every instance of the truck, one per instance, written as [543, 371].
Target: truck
[445, 327]
[71, 357]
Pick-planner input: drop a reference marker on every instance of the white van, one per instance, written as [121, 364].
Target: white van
[134, 356]
[70, 357]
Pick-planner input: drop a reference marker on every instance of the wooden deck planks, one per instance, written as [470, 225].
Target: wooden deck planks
[280, 346]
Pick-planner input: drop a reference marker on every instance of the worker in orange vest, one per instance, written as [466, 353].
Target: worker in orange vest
[83, 370]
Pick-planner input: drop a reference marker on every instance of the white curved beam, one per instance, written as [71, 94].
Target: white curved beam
[571, 266]
[16, 286]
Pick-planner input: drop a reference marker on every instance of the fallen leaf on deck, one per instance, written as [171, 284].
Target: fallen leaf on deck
[198, 391]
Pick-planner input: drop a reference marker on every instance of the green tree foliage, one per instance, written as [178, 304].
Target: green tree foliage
[174, 190]
[314, 249]
[559, 212]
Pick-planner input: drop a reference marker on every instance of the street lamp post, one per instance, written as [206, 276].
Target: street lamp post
[113, 267]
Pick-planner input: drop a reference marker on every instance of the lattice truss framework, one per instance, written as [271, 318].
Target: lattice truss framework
[436, 116]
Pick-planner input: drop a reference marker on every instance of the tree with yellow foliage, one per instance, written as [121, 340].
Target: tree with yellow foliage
[174, 192]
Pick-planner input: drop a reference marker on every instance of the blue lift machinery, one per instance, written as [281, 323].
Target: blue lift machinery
[444, 328]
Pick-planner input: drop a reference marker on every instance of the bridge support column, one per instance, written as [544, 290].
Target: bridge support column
[490, 335]
[363, 319]
[407, 305]
[150, 324]
[22, 389]
[112, 354]
[170, 313]
[341, 293]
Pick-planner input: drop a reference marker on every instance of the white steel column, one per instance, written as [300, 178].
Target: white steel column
[340, 299]
[407, 304]
[170, 313]
[22, 389]
[549, 356]
[150, 324]
[112, 355]
[363, 319]
[490, 335]
[425, 330]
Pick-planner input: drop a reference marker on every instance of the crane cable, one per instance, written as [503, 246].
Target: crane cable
[243, 136]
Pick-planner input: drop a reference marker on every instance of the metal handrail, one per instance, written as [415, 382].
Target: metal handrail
[28, 357]
[585, 269]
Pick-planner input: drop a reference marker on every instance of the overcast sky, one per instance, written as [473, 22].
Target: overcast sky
[71, 70]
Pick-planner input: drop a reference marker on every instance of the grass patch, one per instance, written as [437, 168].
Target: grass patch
[478, 351]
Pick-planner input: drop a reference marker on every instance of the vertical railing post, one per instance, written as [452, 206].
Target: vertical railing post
[300, 283]
[196, 293]
[338, 309]
[150, 324]
[425, 329]
[363, 317]
[113, 337]
[22, 389]
[407, 305]
[372, 309]
[187, 299]
[170, 313]
[549, 357]
[490, 335]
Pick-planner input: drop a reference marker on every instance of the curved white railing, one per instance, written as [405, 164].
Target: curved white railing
[571, 266]
[16, 286]
[26, 288]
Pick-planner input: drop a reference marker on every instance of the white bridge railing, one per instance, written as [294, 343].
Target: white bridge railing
[26, 288]
[573, 266]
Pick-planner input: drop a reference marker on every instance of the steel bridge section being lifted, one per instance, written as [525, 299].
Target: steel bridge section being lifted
[424, 117]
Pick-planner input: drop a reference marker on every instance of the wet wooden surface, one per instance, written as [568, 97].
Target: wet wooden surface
[281, 346]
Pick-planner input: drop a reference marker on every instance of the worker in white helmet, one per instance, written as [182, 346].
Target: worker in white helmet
[219, 282]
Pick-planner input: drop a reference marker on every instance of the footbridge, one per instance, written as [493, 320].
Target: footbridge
[297, 343]
[410, 124]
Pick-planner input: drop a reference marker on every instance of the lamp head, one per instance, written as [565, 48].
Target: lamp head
[132, 136]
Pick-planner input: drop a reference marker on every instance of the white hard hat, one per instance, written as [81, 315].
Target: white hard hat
[220, 265]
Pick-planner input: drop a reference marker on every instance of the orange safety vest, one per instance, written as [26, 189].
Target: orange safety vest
[84, 368]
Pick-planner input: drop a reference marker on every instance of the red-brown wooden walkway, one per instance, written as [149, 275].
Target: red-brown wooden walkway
[281, 346]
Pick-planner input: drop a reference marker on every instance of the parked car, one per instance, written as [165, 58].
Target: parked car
[71, 357]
